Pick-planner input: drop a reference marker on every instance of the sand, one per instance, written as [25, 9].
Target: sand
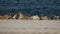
[29, 27]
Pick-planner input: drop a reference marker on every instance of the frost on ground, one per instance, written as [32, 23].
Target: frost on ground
[30, 26]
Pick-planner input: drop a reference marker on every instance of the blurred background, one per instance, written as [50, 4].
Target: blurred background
[30, 7]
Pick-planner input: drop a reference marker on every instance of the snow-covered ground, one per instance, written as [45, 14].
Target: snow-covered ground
[29, 27]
